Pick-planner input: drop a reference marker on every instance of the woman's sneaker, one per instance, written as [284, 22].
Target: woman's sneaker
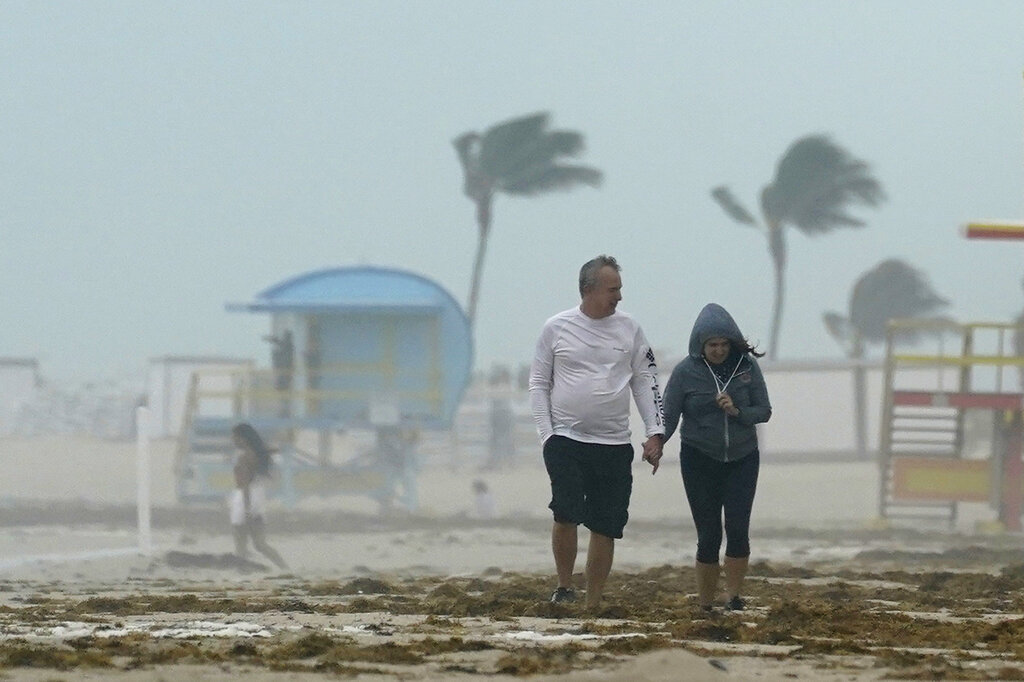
[736, 604]
[563, 595]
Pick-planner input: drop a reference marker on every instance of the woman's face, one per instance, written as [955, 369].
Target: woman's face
[716, 350]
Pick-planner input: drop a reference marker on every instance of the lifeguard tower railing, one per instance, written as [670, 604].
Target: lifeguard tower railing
[281, 405]
[267, 394]
[925, 463]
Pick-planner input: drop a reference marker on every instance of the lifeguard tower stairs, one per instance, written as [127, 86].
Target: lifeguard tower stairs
[929, 454]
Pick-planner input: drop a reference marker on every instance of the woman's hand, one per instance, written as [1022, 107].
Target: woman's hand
[653, 448]
[724, 401]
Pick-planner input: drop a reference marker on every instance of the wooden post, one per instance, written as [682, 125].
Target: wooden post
[143, 500]
[1013, 467]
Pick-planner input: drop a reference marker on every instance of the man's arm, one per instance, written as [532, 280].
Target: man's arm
[541, 378]
[644, 385]
[647, 396]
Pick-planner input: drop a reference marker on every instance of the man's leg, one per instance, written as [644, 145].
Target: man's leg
[563, 546]
[561, 462]
[609, 484]
[600, 553]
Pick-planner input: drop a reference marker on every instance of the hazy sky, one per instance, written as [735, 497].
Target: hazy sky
[160, 159]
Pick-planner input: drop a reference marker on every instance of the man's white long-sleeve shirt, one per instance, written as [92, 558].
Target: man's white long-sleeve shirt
[583, 372]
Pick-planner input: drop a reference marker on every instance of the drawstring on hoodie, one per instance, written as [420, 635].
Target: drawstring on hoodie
[721, 389]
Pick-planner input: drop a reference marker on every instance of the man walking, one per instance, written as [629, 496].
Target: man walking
[587, 362]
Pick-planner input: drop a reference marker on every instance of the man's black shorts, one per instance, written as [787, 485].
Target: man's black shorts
[590, 483]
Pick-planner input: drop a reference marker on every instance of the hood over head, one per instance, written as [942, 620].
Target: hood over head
[713, 320]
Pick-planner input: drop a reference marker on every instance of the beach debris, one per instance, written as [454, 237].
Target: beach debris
[227, 561]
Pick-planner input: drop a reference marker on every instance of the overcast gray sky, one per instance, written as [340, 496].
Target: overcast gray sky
[160, 159]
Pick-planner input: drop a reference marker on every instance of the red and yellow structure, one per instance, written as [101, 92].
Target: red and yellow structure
[932, 470]
[925, 467]
[1001, 230]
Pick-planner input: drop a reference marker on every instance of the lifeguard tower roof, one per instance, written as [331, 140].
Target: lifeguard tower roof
[362, 287]
[366, 334]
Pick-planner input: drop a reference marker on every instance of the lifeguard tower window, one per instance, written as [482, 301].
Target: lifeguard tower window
[374, 356]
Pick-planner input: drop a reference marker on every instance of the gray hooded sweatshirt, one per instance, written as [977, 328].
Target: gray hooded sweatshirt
[691, 390]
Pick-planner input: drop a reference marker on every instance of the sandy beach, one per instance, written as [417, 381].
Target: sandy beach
[439, 594]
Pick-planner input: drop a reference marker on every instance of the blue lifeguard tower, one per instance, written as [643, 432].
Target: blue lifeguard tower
[360, 347]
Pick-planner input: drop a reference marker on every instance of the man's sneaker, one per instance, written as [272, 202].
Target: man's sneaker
[736, 604]
[563, 595]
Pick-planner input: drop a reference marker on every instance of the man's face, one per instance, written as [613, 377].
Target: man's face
[600, 300]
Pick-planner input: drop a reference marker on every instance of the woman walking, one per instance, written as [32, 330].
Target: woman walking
[249, 499]
[719, 392]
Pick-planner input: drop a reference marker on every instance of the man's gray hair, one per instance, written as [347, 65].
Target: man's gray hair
[588, 273]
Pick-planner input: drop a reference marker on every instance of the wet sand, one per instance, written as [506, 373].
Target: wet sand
[440, 595]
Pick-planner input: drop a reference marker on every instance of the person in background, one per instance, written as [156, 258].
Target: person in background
[313, 361]
[248, 502]
[484, 506]
[282, 361]
[501, 443]
[588, 361]
[720, 393]
[396, 450]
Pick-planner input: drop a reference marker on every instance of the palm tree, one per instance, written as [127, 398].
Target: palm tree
[814, 183]
[518, 157]
[892, 289]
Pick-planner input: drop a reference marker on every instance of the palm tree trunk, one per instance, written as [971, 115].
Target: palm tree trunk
[777, 248]
[860, 429]
[483, 221]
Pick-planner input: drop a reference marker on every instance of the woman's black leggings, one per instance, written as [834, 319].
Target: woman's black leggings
[713, 487]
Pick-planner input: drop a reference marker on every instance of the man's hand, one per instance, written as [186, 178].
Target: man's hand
[653, 451]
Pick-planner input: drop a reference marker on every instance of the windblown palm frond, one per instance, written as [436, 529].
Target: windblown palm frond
[838, 327]
[541, 179]
[892, 289]
[724, 196]
[539, 152]
[814, 183]
[518, 156]
[503, 144]
[465, 147]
